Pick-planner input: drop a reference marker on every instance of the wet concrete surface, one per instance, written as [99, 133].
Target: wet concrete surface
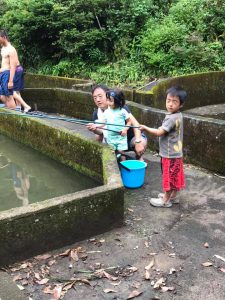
[172, 243]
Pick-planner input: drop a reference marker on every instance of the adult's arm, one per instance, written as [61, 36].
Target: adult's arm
[13, 60]
[93, 127]
[138, 145]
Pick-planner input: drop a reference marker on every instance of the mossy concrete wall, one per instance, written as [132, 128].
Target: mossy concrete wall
[202, 89]
[42, 81]
[78, 104]
[39, 227]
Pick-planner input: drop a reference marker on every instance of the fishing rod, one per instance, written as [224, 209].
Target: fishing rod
[43, 116]
[72, 120]
[76, 121]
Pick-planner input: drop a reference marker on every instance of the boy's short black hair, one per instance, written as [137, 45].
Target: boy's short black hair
[118, 96]
[100, 86]
[178, 92]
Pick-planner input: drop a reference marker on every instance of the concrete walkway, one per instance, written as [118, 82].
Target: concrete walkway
[184, 245]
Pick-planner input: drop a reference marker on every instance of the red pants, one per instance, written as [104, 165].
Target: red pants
[173, 174]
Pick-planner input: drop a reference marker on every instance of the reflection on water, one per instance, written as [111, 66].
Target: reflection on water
[21, 183]
[26, 176]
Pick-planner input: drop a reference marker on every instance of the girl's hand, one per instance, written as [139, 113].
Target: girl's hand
[123, 132]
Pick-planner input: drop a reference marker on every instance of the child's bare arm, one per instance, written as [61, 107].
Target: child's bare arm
[157, 132]
[124, 131]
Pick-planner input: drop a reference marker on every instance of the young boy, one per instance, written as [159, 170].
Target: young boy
[170, 147]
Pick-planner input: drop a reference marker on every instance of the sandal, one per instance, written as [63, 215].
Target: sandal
[159, 202]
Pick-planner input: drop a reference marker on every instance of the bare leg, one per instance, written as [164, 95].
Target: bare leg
[20, 100]
[169, 195]
[9, 101]
[2, 99]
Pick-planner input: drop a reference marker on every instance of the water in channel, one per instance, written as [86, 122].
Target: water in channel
[27, 176]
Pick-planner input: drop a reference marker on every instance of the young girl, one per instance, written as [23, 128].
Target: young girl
[170, 145]
[116, 114]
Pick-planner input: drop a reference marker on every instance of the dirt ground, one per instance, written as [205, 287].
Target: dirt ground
[159, 253]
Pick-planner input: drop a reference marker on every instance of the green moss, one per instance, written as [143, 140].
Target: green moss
[43, 81]
[59, 144]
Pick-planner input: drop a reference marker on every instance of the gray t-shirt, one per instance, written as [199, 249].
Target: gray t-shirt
[171, 143]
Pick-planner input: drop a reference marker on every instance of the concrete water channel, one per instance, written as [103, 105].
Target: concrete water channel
[184, 229]
[27, 176]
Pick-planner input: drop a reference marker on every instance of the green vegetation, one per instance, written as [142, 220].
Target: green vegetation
[118, 42]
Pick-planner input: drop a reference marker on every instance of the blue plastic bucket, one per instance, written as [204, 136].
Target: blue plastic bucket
[133, 173]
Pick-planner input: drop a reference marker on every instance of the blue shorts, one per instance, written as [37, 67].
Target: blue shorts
[4, 79]
[18, 81]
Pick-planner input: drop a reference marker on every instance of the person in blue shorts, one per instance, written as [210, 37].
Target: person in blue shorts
[11, 75]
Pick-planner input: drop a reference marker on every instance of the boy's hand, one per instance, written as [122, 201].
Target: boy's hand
[142, 127]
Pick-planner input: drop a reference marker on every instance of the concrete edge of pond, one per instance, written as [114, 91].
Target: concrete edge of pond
[56, 222]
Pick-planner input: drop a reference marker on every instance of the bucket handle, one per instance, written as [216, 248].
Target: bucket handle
[126, 168]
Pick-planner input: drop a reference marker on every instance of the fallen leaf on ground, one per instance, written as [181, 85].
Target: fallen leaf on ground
[115, 283]
[147, 275]
[219, 257]
[146, 244]
[172, 254]
[68, 285]
[207, 264]
[23, 266]
[102, 273]
[150, 265]
[17, 277]
[65, 253]
[136, 285]
[43, 281]
[130, 209]
[222, 270]
[159, 283]
[20, 287]
[37, 276]
[48, 290]
[57, 292]
[42, 257]
[172, 270]
[73, 254]
[167, 288]
[133, 269]
[109, 291]
[134, 294]
[51, 262]
[206, 245]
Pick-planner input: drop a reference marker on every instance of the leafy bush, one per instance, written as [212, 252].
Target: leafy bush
[178, 44]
